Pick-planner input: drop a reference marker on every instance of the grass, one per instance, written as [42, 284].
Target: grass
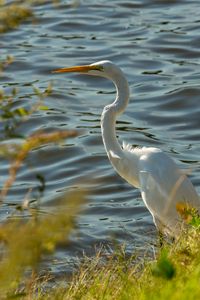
[174, 274]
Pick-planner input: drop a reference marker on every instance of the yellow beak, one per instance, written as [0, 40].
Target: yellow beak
[78, 69]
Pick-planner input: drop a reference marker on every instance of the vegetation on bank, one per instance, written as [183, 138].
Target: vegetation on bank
[173, 274]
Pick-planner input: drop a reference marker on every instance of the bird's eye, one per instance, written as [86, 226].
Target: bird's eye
[100, 68]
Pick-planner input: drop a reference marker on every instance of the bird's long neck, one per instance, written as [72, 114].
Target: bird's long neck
[109, 115]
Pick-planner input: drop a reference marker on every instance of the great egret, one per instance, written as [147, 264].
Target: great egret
[165, 189]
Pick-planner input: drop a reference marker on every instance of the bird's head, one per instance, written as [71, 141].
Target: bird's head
[103, 68]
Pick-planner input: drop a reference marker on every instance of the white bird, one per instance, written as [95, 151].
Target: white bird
[165, 189]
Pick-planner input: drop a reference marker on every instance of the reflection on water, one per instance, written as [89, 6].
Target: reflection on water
[157, 45]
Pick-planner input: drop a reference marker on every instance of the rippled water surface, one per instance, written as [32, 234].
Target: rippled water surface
[157, 44]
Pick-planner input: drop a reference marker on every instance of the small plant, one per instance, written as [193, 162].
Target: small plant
[190, 215]
[12, 117]
[3, 64]
[12, 15]
[164, 267]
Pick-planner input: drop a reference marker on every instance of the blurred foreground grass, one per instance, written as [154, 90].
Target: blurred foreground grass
[25, 241]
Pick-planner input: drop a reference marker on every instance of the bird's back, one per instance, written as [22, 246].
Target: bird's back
[165, 188]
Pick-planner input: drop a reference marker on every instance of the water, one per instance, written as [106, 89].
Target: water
[157, 44]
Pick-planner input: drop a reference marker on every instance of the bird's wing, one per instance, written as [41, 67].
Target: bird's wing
[164, 194]
[152, 192]
[157, 201]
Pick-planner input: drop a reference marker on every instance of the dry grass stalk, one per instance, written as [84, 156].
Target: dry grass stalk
[36, 140]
